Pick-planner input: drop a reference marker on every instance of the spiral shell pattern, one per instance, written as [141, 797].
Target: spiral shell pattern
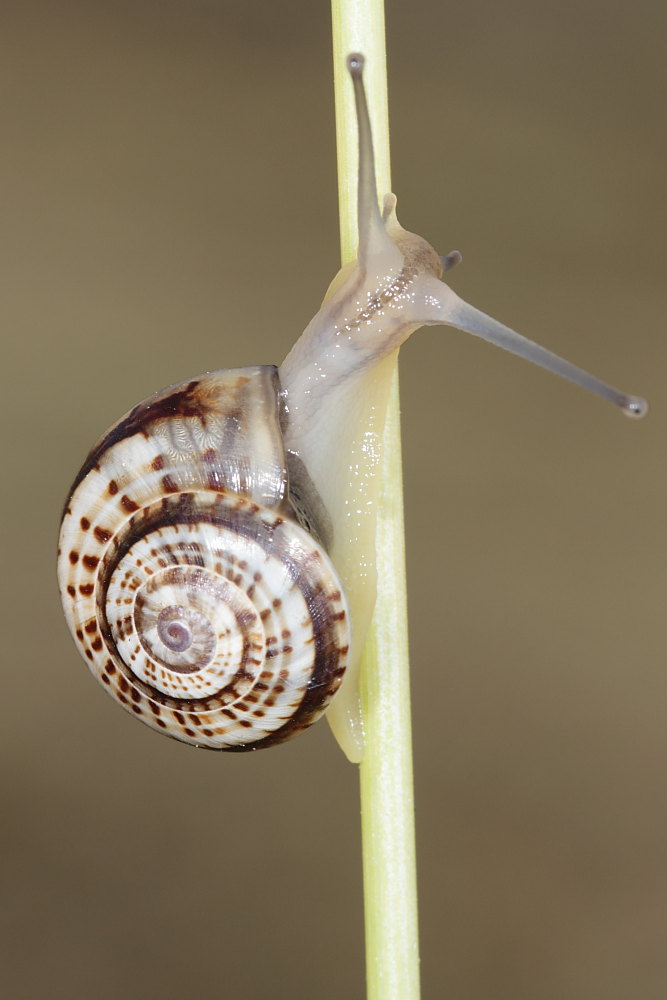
[212, 617]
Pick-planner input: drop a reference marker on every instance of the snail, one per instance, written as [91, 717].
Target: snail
[216, 558]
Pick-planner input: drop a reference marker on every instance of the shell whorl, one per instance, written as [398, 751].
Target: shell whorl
[193, 593]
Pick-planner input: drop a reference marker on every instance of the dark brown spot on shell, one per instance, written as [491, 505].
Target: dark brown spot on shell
[170, 485]
[91, 627]
[102, 534]
[128, 504]
[71, 590]
[74, 557]
[86, 589]
[112, 487]
[85, 523]
[90, 562]
[158, 463]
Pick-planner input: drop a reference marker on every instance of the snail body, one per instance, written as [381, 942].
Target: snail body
[216, 558]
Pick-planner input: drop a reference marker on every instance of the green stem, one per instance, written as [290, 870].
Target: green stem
[387, 800]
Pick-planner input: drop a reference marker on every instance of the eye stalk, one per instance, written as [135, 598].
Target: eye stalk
[447, 307]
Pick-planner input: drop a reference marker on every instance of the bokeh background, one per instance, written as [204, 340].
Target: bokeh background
[168, 205]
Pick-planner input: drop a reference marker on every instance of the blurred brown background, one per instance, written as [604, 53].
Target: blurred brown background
[168, 205]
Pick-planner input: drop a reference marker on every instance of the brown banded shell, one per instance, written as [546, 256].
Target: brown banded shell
[193, 593]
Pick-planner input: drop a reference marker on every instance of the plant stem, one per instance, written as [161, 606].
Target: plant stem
[387, 800]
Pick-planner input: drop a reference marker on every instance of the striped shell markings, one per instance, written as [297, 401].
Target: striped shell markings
[192, 592]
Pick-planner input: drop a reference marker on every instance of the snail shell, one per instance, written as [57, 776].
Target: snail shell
[193, 592]
[199, 540]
